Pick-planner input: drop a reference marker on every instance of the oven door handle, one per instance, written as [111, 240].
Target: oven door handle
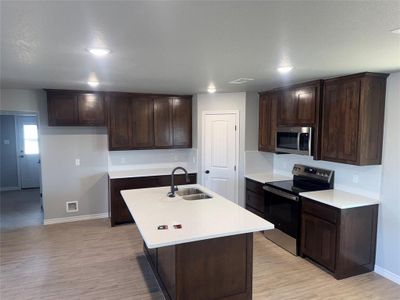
[281, 193]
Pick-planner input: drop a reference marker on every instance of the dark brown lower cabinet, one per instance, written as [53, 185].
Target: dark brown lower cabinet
[255, 198]
[343, 241]
[118, 211]
[219, 268]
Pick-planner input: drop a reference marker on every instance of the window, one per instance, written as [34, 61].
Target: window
[31, 142]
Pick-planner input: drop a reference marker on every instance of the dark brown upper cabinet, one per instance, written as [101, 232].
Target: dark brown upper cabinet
[268, 104]
[299, 104]
[74, 108]
[163, 131]
[182, 122]
[353, 117]
[91, 109]
[119, 122]
[142, 121]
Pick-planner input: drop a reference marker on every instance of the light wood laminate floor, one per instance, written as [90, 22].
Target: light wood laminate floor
[91, 260]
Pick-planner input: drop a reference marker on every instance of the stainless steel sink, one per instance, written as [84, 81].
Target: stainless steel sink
[188, 191]
[192, 194]
[197, 197]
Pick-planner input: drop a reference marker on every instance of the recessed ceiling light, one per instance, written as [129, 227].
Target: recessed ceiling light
[397, 30]
[93, 83]
[284, 69]
[211, 89]
[99, 51]
[241, 80]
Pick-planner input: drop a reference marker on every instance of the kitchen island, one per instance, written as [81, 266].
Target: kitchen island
[210, 257]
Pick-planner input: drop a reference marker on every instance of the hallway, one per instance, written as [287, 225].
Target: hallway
[21, 208]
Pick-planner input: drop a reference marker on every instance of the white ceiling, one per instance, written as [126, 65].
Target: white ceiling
[182, 47]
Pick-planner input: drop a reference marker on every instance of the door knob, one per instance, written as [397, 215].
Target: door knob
[21, 156]
[207, 172]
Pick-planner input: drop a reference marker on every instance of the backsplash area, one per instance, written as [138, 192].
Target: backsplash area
[259, 162]
[152, 159]
[365, 180]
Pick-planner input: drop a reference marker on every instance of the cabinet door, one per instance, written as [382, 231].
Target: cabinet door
[267, 122]
[62, 109]
[119, 131]
[349, 116]
[331, 121]
[91, 109]
[163, 136]
[142, 123]
[318, 240]
[288, 109]
[306, 105]
[182, 122]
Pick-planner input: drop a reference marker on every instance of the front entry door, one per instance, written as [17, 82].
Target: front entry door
[220, 154]
[28, 151]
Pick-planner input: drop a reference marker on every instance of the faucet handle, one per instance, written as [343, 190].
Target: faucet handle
[175, 188]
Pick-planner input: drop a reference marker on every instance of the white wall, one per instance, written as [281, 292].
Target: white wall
[152, 159]
[388, 248]
[223, 102]
[20, 100]
[368, 176]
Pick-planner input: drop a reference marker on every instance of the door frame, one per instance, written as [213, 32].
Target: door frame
[16, 114]
[237, 136]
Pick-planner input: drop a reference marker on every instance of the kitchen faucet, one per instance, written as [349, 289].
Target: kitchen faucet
[173, 187]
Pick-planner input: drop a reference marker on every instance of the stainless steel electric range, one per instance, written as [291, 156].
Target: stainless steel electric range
[283, 203]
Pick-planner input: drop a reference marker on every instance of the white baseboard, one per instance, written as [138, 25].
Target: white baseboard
[9, 188]
[74, 219]
[387, 274]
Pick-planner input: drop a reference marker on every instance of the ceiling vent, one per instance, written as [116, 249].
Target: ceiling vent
[241, 80]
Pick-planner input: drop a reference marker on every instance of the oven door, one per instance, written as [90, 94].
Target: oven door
[283, 210]
[294, 140]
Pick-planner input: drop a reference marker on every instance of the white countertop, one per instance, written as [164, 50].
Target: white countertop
[200, 219]
[144, 172]
[339, 199]
[266, 177]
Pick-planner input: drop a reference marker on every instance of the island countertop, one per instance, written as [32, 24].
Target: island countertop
[200, 219]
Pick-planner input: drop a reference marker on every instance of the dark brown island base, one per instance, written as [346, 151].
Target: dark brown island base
[220, 268]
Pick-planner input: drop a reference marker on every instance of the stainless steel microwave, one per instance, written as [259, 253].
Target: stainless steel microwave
[294, 140]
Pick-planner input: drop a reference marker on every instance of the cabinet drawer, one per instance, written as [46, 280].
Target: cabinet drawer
[255, 201]
[320, 210]
[255, 187]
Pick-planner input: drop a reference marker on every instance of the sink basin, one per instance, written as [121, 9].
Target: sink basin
[189, 191]
[197, 197]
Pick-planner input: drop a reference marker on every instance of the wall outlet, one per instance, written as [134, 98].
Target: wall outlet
[355, 178]
[77, 162]
[71, 206]
[6, 142]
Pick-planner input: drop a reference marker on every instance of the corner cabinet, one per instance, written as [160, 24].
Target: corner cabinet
[353, 117]
[341, 240]
[75, 108]
[140, 121]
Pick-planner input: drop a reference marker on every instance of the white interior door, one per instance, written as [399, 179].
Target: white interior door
[220, 154]
[28, 151]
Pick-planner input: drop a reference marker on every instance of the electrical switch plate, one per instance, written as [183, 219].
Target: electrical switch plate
[77, 162]
[355, 178]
